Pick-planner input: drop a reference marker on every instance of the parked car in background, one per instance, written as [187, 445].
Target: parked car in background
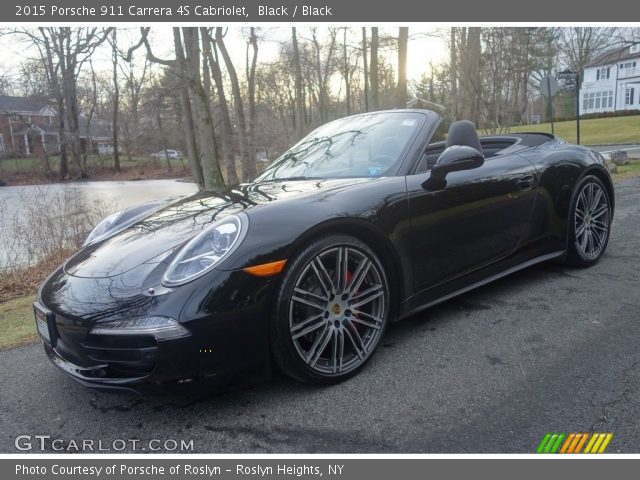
[164, 154]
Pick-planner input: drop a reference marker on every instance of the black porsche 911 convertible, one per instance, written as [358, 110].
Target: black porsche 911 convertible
[365, 221]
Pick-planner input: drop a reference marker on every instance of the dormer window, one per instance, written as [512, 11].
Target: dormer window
[603, 73]
[635, 48]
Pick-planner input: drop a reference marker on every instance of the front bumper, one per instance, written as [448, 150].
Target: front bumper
[226, 315]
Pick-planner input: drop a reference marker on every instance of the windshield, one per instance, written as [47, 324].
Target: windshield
[361, 146]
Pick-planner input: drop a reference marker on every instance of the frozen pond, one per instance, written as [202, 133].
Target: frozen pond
[17, 203]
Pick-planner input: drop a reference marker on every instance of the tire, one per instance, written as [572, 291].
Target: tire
[589, 224]
[320, 314]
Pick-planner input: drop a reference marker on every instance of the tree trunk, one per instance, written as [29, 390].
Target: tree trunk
[365, 69]
[251, 87]
[401, 94]
[454, 74]
[228, 142]
[192, 146]
[116, 103]
[375, 80]
[201, 106]
[188, 123]
[347, 72]
[474, 78]
[248, 164]
[299, 116]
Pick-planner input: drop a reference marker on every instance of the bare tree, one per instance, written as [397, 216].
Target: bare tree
[403, 40]
[64, 51]
[365, 69]
[323, 63]
[252, 45]
[374, 74]
[346, 70]
[248, 163]
[227, 138]
[195, 103]
[116, 100]
[299, 95]
[90, 107]
[579, 45]
[202, 105]
[453, 51]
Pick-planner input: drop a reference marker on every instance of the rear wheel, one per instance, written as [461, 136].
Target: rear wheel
[332, 310]
[590, 222]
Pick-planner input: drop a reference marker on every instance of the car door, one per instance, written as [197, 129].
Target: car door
[479, 216]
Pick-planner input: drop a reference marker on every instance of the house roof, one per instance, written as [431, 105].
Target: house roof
[22, 104]
[613, 56]
[97, 130]
[47, 129]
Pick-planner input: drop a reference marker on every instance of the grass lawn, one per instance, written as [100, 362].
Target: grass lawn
[28, 164]
[593, 132]
[17, 322]
[630, 170]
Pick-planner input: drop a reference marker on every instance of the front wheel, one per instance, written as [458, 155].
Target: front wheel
[590, 222]
[332, 309]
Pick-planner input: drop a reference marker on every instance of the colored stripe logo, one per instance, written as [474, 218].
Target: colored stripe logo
[574, 443]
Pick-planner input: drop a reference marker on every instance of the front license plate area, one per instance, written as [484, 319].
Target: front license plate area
[44, 323]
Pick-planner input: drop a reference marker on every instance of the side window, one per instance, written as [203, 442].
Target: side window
[434, 149]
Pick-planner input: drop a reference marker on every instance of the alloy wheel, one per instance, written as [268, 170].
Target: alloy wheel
[338, 309]
[592, 220]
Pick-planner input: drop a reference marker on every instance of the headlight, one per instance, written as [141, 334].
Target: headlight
[161, 328]
[120, 220]
[206, 250]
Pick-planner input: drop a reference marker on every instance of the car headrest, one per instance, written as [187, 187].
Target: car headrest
[390, 146]
[463, 132]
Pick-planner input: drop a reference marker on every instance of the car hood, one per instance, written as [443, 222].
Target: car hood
[152, 239]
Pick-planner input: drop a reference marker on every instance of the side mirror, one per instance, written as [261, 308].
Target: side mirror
[453, 159]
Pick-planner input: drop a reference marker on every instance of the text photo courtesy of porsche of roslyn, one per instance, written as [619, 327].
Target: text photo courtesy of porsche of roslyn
[257, 236]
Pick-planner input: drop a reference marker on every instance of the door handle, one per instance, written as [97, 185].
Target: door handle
[527, 182]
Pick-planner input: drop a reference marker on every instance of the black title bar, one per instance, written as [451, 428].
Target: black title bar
[227, 11]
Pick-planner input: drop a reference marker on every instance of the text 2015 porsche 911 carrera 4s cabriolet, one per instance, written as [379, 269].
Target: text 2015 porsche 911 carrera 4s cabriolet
[365, 221]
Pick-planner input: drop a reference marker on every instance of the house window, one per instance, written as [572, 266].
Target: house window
[597, 100]
[14, 118]
[634, 48]
[628, 96]
[603, 73]
[1, 143]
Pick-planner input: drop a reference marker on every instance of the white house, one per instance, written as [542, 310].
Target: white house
[611, 82]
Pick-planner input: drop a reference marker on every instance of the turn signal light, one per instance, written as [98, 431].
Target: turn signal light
[266, 269]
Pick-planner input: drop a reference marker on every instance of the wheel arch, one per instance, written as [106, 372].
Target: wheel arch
[375, 239]
[601, 174]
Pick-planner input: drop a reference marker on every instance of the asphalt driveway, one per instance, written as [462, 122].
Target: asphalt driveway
[549, 349]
